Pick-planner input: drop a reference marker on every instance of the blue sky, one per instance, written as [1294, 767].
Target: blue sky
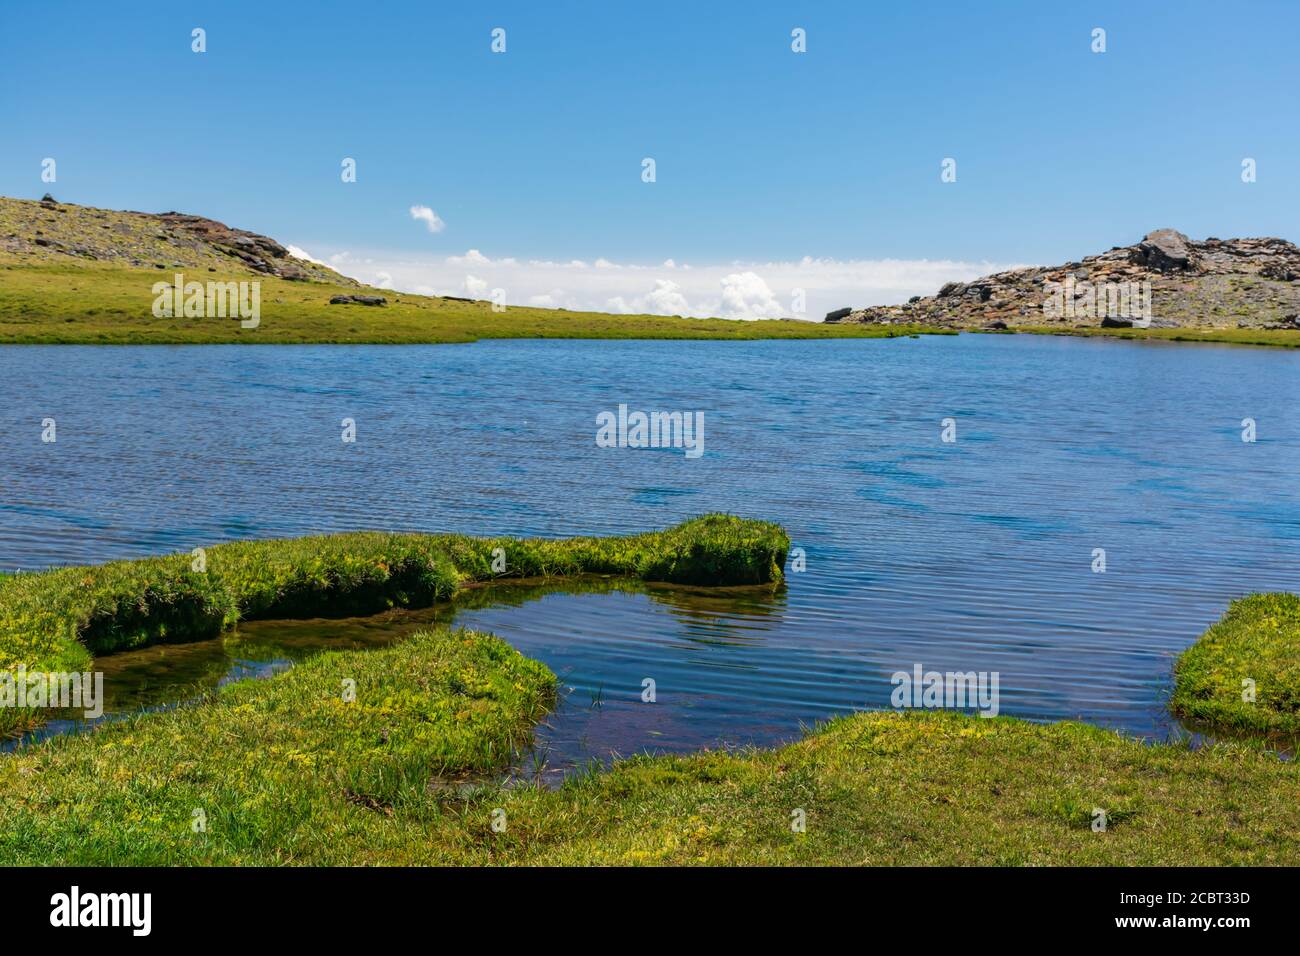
[763, 155]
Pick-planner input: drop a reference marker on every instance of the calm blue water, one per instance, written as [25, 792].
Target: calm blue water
[974, 555]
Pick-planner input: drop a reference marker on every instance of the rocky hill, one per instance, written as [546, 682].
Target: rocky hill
[50, 231]
[1210, 284]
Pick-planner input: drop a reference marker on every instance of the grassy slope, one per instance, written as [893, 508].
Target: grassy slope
[285, 771]
[34, 234]
[65, 303]
[1259, 639]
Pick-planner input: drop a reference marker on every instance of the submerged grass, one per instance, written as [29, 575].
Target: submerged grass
[56, 620]
[1244, 672]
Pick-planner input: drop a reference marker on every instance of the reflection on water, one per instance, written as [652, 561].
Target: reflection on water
[727, 668]
[594, 720]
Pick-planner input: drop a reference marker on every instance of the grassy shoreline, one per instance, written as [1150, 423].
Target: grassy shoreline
[1268, 338]
[396, 756]
[408, 773]
[1243, 674]
[53, 621]
[311, 764]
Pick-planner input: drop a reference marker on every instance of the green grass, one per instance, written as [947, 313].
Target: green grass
[1277, 338]
[279, 771]
[97, 304]
[920, 788]
[55, 620]
[285, 771]
[1258, 639]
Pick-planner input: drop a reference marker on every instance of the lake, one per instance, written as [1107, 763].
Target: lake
[971, 555]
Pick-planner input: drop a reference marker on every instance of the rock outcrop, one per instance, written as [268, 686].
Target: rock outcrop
[1213, 283]
[259, 253]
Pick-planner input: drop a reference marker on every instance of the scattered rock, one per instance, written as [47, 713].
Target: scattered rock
[1176, 281]
[838, 314]
[358, 300]
[994, 326]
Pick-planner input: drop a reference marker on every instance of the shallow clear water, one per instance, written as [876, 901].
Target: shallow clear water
[975, 555]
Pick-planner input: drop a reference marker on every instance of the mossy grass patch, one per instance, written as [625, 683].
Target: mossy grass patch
[56, 620]
[1244, 672]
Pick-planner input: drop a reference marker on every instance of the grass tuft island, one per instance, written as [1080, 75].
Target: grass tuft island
[56, 620]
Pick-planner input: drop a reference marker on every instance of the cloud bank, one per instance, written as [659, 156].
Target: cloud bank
[804, 289]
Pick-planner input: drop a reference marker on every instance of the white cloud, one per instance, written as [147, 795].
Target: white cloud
[746, 296]
[383, 280]
[303, 254]
[427, 216]
[664, 299]
[739, 290]
[471, 258]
